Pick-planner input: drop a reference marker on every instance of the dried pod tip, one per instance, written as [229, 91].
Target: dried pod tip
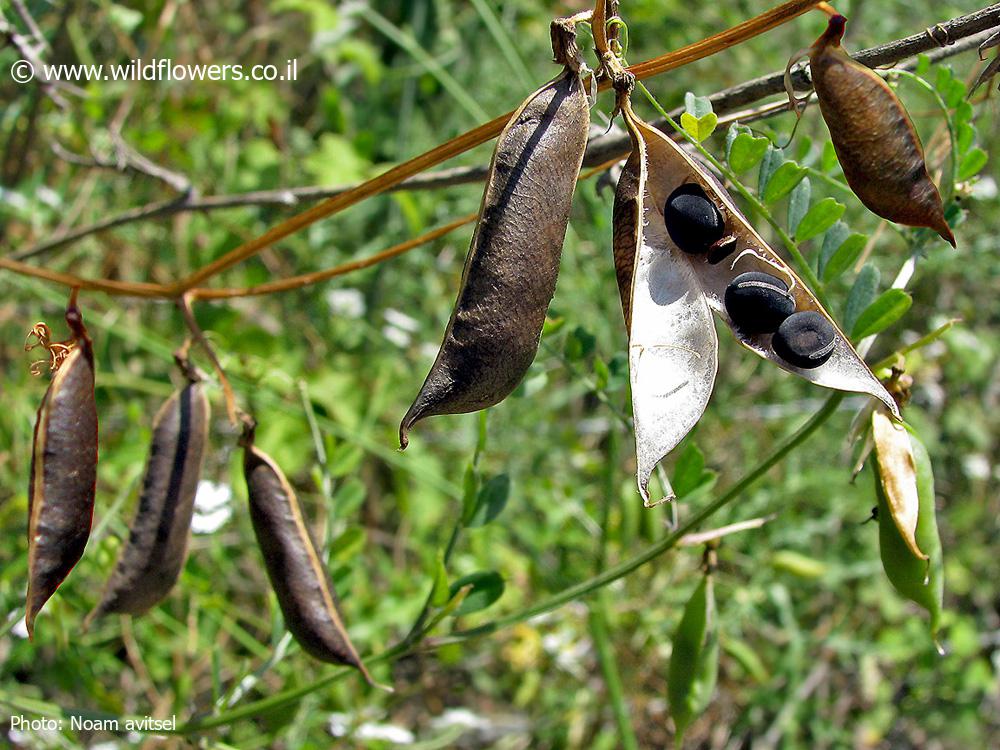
[834, 31]
[74, 319]
[565, 50]
[188, 369]
[249, 427]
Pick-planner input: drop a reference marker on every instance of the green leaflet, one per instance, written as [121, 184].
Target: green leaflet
[919, 581]
[694, 663]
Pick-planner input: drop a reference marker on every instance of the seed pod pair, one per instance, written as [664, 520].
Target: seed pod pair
[679, 260]
[298, 576]
[511, 270]
[908, 536]
[874, 139]
[152, 559]
[63, 472]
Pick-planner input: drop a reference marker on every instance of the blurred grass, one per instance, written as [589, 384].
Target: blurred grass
[362, 102]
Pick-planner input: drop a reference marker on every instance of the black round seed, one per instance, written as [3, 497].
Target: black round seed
[693, 222]
[805, 339]
[758, 302]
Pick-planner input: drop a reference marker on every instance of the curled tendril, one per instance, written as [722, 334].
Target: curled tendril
[619, 41]
[58, 350]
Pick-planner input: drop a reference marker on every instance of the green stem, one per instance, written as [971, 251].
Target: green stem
[598, 621]
[830, 181]
[804, 267]
[567, 595]
[600, 630]
[418, 630]
[669, 542]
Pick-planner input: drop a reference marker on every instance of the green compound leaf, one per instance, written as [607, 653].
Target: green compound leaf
[890, 306]
[699, 106]
[819, 218]
[783, 181]
[699, 128]
[746, 152]
[971, 163]
[798, 204]
[844, 256]
[491, 501]
[862, 294]
[487, 587]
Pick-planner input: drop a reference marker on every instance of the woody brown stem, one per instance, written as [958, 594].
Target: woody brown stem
[233, 412]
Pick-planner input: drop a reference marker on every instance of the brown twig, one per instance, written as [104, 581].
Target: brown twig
[306, 279]
[746, 30]
[602, 150]
[967, 32]
[127, 159]
[233, 412]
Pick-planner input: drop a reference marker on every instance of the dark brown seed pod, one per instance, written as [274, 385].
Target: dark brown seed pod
[63, 472]
[298, 576]
[152, 559]
[510, 273]
[758, 302]
[805, 340]
[875, 141]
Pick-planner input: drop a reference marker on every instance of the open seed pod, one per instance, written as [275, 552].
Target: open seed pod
[680, 245]
[511, 270]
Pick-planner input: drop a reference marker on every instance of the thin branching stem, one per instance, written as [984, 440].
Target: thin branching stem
[233, 412]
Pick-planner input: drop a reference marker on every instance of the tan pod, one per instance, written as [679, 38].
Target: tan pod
[875, 141]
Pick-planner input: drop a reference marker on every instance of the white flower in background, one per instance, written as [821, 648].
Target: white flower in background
[347, 303]
[398, 327]
[212, 507]
[401, 320]
[19, 630]
[460, 717]
[984, 188]
[977, 466]
[339, 725]
[386, 733]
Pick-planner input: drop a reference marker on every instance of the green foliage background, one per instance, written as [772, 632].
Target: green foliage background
[820, 653]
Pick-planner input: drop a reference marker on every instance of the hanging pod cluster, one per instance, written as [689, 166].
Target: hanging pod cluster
[63, 471]
[874, 139]
[907, 518]
[682, 251]
[152, 558]
[61, 505]
[513, 262]
[297, 573]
